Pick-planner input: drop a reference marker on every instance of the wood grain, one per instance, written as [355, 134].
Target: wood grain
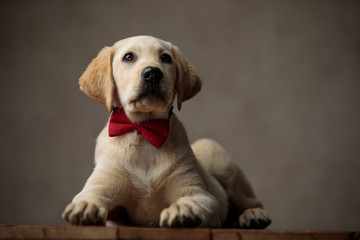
[138, 233]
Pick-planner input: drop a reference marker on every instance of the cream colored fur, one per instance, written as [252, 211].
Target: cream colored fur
[177, 185]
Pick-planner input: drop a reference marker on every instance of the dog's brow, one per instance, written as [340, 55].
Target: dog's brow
[162, 50]
[133, 48]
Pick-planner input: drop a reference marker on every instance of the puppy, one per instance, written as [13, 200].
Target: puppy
[147, 173]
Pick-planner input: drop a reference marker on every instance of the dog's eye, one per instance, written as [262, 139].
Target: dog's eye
[165, 58]
[129, 57]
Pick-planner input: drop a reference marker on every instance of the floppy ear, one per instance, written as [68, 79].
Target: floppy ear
[188, 82]
[97, 80]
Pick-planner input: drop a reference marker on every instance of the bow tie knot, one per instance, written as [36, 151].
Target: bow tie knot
[154, 131]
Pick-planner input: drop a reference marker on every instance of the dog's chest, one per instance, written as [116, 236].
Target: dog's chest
[148, 170]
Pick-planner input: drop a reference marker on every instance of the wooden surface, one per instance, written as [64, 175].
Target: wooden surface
[124, 232]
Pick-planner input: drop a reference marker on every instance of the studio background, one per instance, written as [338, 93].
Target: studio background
[280, 92]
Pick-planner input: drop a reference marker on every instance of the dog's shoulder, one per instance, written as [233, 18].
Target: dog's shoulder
[178, 138]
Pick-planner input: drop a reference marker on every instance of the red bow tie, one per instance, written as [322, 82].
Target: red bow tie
[155, 131]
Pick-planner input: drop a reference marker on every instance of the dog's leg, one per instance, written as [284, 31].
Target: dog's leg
[90, 206]
[190, 204]
[219, 163]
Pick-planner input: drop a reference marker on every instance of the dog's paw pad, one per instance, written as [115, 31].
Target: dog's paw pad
[254, 218]
[84, 213]
[180, 215]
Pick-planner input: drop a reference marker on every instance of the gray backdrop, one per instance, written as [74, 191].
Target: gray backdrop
[281, 93]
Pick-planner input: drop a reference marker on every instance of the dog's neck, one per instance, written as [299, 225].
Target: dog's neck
[140, 117]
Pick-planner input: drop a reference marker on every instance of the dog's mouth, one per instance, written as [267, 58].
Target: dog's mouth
[150, 95]
[147, 104]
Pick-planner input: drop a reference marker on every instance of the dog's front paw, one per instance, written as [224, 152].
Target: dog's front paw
[181, 215]
[85, 213]
[254, 218]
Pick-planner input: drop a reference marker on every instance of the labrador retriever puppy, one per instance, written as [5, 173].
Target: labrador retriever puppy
[146, 172]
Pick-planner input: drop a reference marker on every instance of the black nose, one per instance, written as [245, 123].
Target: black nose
[152, 75]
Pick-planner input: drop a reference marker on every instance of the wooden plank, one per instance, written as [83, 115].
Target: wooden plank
[234, 234]
[21, 232]
[72, 232]
[129, 233]
[132, 233]
[58, 232]
[225, 234]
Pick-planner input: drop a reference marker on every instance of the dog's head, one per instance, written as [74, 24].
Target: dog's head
[143, 75]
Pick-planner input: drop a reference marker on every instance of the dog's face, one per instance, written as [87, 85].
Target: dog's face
[143, 75]
[144, 71]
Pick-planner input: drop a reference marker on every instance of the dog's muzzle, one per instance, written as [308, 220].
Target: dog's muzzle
[152, 75]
